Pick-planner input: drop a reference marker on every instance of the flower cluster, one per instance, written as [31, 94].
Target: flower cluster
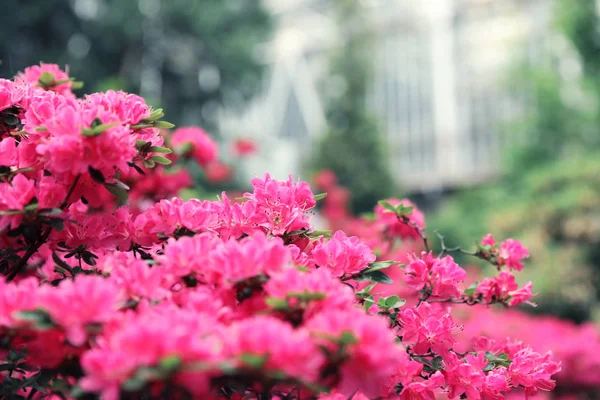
[212, 299]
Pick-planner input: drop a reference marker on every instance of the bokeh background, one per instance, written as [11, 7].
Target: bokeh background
[486, 113]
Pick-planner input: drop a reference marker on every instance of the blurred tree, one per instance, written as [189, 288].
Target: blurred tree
[549, 195]
[352, 147]
[187, 56]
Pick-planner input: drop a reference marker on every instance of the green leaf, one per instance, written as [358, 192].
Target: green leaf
[50, 211]
[96, 175]
[98, 129]
[76, 85]
[437, 363]
[316, 234]
[46, 79]
[376, 266]
[169, 364]
[278, 304]
[307, 296]
[155, 114]
[32, 206]
[253, 361]
[158, 149]
[160, 160]
[347, 338]
[62, 263]
[366, 290]
[140, 143]
[320, 196]
[149, 164]
[406, 211]
[470, 291]
[40, 318]
[387, 206]
[378, 276]
[164, 125]
[391, 301]
[116, 191]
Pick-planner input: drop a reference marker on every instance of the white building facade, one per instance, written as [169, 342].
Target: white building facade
[438, 87]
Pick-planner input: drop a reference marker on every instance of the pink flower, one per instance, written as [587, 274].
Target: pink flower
[465, 377]
[217, 171]
[280, 206]
[343, 255]
[133, 275]
[398, 228]
[427, 327]
[204, 149]
[532, 371]
[74, 304]
[188, 255]
[488, 240]
[280, 345]
[325, 179]
[327, 292]
[512, 252]
[372, 353]
[15, 297]
[256, 255]
[441, 276]
[32, 75]
[503, 288]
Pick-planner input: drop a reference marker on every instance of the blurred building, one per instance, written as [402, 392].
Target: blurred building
[438, 89]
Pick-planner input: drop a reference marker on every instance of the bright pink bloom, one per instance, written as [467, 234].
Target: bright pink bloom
[427, 327]
[291, 283]
[512, 252]
[32, 75]
[343, 255]
[204, 149]
[398, 228]
[371, 357]
[74, 304]
[280, 345]
[441, 276]
[503, 288]
[253, 256]
[488, 240]
[533, 371]
[188, 255]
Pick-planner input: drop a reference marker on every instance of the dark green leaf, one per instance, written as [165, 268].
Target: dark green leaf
[96, 175]
[116, 191]
[160, 160]
[376, 266]
[278, 304]
[169, 364]
[46, 79]
[378, 276]
[307, 296]
[61, 263]
[470, 291]
[164, 124]
[320, 196]
[158, 149]
[387, 206]
[253, 361]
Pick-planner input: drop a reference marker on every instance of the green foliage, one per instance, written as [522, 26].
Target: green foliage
[213, 33]
[352, 147]
[549, 195]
